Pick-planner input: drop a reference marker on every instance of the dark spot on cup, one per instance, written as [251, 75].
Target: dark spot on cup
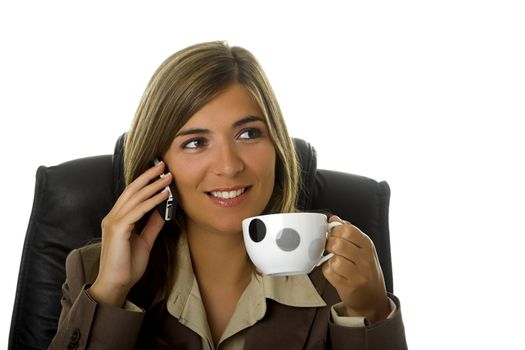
[257, 230]
[288, 239]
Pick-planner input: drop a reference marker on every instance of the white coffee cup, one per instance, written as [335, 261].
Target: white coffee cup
[287, 243]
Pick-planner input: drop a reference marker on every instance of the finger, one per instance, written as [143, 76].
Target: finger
[123, 222]
[139, 210]
[344, 248]
[151, 230]
[137, 184]
[352, 234]
[146, 192]
[339, 270]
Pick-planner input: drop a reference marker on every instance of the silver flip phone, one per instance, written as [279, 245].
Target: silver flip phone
[167, 208]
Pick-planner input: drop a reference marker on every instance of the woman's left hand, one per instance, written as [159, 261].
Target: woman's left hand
[355, 272]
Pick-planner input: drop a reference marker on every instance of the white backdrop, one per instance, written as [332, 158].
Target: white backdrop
[426, 95]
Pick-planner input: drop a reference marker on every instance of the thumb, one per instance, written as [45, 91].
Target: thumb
[335, 218]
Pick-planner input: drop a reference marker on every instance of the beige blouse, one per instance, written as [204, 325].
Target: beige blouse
[185, 302]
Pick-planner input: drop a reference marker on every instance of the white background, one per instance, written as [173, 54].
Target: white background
[427, 95]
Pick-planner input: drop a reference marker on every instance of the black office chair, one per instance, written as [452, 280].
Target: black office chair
[72, 198]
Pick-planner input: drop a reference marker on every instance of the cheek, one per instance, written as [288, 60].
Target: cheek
[263, 164]
[186, 179]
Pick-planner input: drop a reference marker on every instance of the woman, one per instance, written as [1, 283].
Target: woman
[210, 115]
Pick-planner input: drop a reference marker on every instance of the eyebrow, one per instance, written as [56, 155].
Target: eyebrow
[246, 120]
[237, 124]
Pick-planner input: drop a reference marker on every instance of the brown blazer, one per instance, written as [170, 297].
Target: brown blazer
[85, 324]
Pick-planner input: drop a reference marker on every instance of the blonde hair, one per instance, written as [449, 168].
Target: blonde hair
[183, 84]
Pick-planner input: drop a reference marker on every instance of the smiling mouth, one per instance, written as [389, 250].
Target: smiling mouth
[228, 194]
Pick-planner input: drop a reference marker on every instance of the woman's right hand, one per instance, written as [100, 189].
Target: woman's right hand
[124, 255]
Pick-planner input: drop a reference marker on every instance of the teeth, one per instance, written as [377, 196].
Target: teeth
[227, 194]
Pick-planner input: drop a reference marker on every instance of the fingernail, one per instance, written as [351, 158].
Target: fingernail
[157, 162]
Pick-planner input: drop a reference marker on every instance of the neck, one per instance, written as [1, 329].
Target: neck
[219, 258]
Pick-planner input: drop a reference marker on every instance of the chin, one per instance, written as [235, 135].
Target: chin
[231, 225]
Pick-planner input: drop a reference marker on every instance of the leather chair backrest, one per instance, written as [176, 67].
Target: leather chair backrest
[72, 198]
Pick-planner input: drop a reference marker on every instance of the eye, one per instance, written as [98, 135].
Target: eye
[194, 143]
[249, 134]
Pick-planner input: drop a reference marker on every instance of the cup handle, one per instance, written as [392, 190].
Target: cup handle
[324, 258]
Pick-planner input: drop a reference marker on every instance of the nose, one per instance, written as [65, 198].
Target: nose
[228, 161]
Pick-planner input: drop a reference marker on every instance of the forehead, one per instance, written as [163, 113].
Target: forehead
[228, 106]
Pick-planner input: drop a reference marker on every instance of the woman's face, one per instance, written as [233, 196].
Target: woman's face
[223, 163]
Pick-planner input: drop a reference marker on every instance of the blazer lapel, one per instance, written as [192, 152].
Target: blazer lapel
[286, 326]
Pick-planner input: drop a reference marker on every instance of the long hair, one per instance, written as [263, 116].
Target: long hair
[183, 84]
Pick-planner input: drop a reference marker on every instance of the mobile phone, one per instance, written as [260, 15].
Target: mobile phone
[168, 208]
